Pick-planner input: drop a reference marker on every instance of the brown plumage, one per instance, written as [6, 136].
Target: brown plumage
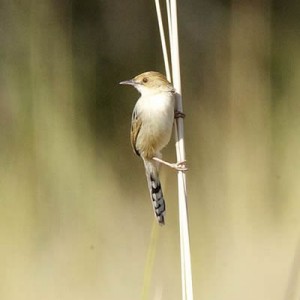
[151, 128]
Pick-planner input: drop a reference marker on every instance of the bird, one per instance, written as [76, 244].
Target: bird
[151, 129]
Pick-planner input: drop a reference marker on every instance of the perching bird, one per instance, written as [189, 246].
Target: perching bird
[151, 129]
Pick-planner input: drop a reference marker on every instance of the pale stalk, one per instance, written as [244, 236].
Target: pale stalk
[180, 152]
[163, 40]
[169, 19]
[186, 271]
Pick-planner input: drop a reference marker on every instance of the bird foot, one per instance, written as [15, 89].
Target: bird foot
[179, 114]
[179, 166]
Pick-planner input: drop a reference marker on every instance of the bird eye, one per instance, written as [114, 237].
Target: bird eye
[145, 79]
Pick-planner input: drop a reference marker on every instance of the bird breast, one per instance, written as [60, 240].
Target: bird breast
[157, 115]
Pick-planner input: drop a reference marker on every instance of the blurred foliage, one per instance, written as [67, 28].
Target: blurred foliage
[75, 218]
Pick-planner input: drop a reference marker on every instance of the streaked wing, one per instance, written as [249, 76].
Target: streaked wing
[136, 124]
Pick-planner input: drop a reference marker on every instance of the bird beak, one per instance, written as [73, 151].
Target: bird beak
[128, 82]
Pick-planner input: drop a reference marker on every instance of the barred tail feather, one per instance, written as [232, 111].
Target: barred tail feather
[158, 200]
[156, 194]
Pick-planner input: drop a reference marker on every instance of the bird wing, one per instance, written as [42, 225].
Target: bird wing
[136, 124]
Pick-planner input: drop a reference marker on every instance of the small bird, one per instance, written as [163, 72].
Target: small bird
[151, 129]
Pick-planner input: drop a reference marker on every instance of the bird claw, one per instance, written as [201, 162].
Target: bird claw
[179, 114]
[181, 166]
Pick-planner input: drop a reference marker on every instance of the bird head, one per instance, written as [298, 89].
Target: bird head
[150, 83]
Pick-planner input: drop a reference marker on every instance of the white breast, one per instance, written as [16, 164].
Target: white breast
[157, 115]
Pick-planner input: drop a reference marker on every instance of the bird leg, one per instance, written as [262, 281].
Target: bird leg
[179, 166]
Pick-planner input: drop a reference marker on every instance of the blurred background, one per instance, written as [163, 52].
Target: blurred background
[75, 214]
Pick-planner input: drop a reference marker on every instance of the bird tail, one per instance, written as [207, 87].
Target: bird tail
[156, 194]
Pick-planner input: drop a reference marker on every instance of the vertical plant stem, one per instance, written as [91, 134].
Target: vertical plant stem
[186, 270]
[163, 40]
[150, 261]
[180, 152]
